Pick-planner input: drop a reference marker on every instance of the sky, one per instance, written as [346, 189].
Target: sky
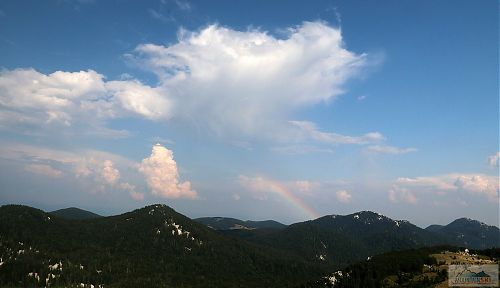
[284, 110]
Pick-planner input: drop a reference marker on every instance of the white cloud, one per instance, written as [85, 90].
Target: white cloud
[494, 159]
[385, 149]
[477, 184]
[109, 173]
[300, 149]
[138, 196]
[231, 82]
[259, 186]
[95, 168]
[398, 194]
[309, 130]
[43, 169]
[33, 100]
[304, 186]
[250, 81]
[160, 172]
[343, 196]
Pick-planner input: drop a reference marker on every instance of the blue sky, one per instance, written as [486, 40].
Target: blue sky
[283, 110]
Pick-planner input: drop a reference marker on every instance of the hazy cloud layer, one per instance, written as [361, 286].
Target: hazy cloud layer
[385, 149]
[43, 169]
[408, 189]
[160, 172]
[308, 130]
[96, 168]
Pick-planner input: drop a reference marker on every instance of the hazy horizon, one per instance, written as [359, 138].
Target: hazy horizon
[253, 110]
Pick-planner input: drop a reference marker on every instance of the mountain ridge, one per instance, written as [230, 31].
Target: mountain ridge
[155, 246]
[74, 213]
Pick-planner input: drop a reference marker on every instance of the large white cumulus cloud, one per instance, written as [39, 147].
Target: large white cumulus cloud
[244, 80]
[29, 98]
[247, 83]
[162, 176]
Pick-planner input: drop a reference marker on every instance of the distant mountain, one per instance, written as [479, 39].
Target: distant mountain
[157, 247]
[434, 228]
[340, 240]
[74, 214]
[149, 247]
[224, 223]
[469, 233]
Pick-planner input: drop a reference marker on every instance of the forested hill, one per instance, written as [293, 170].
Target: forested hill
[74, 213]
[149, 247]
[225, 223]
[157, 247]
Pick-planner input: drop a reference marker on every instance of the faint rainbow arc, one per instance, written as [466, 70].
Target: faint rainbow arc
[284, 192]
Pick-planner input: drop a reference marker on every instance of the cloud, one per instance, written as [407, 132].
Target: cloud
[159, 16]
[44, 170]
[300, 149]
[109, 173]
[309, 130]
[305, 186]
[95, 169]
[217, 79]
[385, 149]
[472, 184]
[138, 196]
[30, 100]
[494, 159]
[261, 186]
[183, 5]
[398, 194]
[343, 196]
[478, 184]
[250, 81]
[160, 172]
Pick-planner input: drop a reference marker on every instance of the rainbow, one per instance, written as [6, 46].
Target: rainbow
[285, 193]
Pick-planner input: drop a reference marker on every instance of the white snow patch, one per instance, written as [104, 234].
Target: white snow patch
[334, 278]
[356, 216]
[34, 275]
[57, 266]
[324, 246]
